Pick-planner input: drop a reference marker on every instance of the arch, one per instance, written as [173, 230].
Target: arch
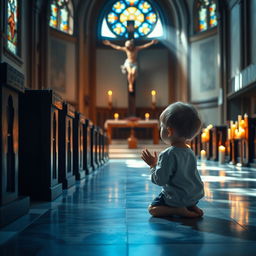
[143, 15]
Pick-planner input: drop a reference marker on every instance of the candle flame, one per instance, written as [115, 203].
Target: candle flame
[221, 148]
[147, 115]
[116, 115]
[110, 92]
[153, 92]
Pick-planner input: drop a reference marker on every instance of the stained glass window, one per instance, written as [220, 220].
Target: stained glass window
[12, 26]
[62, 16]
[206, 15]
[144, 17]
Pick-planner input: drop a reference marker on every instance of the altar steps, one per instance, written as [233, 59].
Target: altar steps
[119, 149]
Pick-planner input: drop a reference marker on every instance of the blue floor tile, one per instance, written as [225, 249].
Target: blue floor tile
[106, 214]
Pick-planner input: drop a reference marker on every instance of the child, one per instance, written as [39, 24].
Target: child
[176, 169]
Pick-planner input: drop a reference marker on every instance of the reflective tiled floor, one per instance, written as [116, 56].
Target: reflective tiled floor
[107, 215]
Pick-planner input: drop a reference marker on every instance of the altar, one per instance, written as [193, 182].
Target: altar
[132, 141]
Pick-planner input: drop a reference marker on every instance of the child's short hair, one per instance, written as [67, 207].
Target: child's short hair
[183, 118]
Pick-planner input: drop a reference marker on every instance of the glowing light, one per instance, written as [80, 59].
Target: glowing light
[116, 116]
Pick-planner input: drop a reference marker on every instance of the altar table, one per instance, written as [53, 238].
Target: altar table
[112, 123]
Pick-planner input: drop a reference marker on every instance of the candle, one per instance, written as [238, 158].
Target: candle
[116, 116]
[242, 133]
[242, 124]
[153, 93]
[204, 137]
[222, 150]
[110, 97]
[147, 115]
[246, 120]
[203, 155]
[229, 134]
[210, 126]
[239, 120]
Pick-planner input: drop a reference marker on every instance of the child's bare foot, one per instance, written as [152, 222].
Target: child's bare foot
[165, 211]
[196, 209]
[184, 212]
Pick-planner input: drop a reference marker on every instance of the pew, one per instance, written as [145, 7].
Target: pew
[79, 146]
[96, 147]
[12, 205]
[66, 173]
[39, 125]
[88, 156]
[106, 146]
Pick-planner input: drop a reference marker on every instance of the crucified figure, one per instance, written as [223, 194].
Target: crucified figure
[130, 65]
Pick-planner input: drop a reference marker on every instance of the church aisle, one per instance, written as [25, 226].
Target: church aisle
[107, 215]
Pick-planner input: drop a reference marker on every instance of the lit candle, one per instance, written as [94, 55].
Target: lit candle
[237, 134]
[153, 93]
[246, 119]
[204, 137]
[203, 155]
[242, 124]
[110, 97]
[242, 133]
[210, 126]
[229, 134]
[116, 116]
[222, 150]
[239, 119]
[246, 126]
[147, 115]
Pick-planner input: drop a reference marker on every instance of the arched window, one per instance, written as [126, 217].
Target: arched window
[12, 26]
[61, 17]
[206, 17]
[140, 14]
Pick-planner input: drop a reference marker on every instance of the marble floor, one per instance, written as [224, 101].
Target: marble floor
[107, 215]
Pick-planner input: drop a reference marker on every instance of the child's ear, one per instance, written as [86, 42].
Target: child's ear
[169, 131]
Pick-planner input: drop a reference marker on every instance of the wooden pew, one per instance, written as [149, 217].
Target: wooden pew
[88, 156]
[79, 146]
[66, 172]
[39, 144]
[12, 205]
[106, 147]
[96, 147]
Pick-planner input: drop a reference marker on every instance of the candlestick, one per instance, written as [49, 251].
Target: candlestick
[153, 93]
[110, 98]
[222, 150]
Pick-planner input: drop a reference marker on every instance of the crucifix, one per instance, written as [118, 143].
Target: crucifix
[130, 66]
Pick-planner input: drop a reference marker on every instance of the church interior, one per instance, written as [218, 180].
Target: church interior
[83, 84]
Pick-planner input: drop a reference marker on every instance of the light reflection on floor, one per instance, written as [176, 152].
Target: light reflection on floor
[107, 215]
